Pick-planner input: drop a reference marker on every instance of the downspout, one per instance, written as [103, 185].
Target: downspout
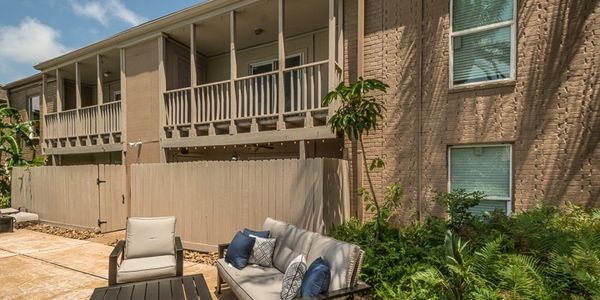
[420, 117]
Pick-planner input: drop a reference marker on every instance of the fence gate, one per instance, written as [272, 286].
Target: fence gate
[84, 196]
[111, 197]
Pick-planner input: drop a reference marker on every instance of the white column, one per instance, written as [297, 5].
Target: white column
[162, 88]
[44, 111]
[281, 51]
[99, 80]
[193, 79]
[331, 45]
[233, 72]
[77, 85]
[60, 90]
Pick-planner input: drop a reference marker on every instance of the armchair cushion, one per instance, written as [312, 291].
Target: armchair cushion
[341, 257]
[289, 245]
[147, 237]
[146, 268]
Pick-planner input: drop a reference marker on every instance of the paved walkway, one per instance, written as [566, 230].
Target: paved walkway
[36, 265]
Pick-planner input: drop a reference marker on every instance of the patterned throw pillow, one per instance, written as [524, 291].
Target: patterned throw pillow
[262, 252]
[292, 280]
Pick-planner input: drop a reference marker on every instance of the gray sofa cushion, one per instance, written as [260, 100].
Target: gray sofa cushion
[252, 282]
[341, 257]
[276, 227]
[148, 237]
[291, 244]
[146, 268]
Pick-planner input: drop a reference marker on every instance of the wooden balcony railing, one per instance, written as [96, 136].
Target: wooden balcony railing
[98, 124]
[257, 101]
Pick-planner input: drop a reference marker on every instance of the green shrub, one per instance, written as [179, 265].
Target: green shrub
[545, 253]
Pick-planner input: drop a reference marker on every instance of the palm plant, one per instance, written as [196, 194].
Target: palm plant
[360, 112]
[14, 137]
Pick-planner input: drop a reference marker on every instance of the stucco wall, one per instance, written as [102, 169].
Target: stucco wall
[550, 114]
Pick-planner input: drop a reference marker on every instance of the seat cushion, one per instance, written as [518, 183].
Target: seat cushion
[145, 268]
[252, 282]
[147, 237]
[290, 244]
[341, 257]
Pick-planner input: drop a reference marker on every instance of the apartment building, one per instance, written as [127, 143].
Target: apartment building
[497, 96]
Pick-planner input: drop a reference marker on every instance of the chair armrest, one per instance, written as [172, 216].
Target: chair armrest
[359, 288]
[113, 261]
[222, 249]
[179, 255]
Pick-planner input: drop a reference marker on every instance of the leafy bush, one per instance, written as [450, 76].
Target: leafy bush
[545, 253]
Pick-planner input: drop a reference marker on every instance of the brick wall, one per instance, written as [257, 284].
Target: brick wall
[19, 100]
[551, 113]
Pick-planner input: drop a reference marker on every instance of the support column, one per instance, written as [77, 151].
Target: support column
[78, 85]
[162, 88]
[123, 80]
[99, 80]
[193, 80]
[340, 36]
[233, 76]
[332, 42]
[302, 150]
[43, 113]
[60, 90]
[281, 51]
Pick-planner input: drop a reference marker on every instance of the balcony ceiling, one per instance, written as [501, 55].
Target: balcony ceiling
[212, 36]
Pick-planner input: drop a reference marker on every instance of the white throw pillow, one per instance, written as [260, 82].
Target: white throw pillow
[262, 252]
[292, 280]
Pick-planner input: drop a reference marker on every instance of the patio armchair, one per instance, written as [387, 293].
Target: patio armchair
[150, 251]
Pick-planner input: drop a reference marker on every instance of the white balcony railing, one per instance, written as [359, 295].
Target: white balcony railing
[256, 98]
[97, 120]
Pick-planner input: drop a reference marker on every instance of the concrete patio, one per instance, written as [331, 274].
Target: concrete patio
[36, 265]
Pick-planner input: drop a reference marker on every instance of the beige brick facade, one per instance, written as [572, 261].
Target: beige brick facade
[550, 114]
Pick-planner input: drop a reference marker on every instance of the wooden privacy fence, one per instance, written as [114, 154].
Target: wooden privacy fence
[213, 200]
[85, 196]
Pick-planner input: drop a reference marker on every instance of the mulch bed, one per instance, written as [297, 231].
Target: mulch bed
[77, 234]
[80, 234]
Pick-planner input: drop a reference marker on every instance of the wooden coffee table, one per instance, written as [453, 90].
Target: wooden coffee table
[185, 287]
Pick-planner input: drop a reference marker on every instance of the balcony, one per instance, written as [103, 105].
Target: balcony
[90, 129]
[256, 74]
[208, 114]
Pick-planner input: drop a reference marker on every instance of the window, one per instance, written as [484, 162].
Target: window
[482, 41]
[485, 168]
[33, 113]
[33, 108]
[273, 65]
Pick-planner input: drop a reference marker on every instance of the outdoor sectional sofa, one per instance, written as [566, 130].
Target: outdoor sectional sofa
[256, 282]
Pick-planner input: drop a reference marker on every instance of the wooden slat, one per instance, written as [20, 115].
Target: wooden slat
[125, 292]
[202, 288]
[112, 293]
[176, 288]
[164, 289]
[98, 294]
[139, 292]
[152, 290]
[190, 290]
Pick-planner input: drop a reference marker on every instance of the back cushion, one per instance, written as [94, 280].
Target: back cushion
[341, 258]
[275, 227]
[148, 237]
[290, 244]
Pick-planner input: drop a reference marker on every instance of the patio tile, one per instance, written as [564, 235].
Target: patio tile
[88, 258]
[6, 254]
[30, 278]
[26, 241]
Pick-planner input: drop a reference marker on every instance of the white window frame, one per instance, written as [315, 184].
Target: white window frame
[251, 66]
[513, 46]
[510, 171]
[32, 134]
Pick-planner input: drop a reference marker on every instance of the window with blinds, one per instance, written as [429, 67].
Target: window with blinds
[485, 168]
[482, 41]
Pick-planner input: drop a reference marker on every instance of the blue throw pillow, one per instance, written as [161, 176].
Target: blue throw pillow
[239, 250]
[261, 234]
[316, 279]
